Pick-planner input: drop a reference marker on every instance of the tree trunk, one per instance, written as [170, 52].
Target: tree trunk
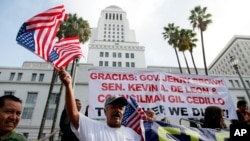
[193, 62]
[203, 52]
[186, 62]
[178, 60]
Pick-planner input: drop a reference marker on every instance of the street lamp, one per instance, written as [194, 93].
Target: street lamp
[234, 62]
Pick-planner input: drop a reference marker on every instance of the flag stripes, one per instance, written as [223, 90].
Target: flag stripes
[65, 51]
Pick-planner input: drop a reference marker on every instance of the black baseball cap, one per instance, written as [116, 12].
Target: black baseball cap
[115, 98]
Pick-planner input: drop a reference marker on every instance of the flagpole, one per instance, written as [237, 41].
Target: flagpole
[73, 72]
[47, 105]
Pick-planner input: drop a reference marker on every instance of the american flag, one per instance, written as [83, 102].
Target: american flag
[39, 32]
[65, 51]
[132, 115]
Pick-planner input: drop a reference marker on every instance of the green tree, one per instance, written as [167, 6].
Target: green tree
[75, 26]
[171, 32]
[187, 41]
[200, 19]
[184, 44]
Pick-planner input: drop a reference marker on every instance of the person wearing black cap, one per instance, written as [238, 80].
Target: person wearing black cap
[87, 129]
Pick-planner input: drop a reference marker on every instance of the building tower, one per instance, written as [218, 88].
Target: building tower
[113, 43]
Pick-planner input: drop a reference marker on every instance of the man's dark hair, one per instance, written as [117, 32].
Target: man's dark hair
[240, 103]
[9, 97]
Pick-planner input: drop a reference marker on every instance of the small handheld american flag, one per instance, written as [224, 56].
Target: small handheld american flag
[132, 115]
[65, 51]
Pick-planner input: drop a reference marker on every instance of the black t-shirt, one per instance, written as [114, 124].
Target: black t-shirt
[67, 135]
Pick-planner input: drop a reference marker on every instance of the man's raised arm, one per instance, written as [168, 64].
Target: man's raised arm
[70, 103]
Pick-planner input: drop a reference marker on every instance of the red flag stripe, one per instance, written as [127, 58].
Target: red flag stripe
[46, 19]
[67, 49]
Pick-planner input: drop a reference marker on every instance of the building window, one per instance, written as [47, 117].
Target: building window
[119, 55]
[101, 54]
[52, 106]
[114, 54]
[132, 64]
[31, 98]
[9, 92]
[29, 105]
[232, 83]
[237, 82]
[50, 114]
[27, 112]
[100, 63]
[53, 98]
[248, 84]
[132, 55]
[106, 54]
[41, 77]
[56, 78]
[114, 64]
[106, 63]
[33, 77]
[127, 55]
[12, 75]
[119, 64]
[19, 76]
[127, 64]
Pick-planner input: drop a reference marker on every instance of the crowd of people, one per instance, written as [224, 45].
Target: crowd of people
[76, 126]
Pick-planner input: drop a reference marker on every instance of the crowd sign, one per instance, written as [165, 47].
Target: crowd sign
[162, 131]
[172, 95]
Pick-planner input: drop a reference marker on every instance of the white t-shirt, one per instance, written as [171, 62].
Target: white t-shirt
[92, 130]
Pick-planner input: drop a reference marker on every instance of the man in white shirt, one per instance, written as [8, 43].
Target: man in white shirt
[87, 129]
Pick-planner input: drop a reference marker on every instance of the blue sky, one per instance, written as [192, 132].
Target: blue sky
[146, 17]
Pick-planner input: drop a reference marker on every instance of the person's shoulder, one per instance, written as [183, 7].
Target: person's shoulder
[17, 136]
[21, 137]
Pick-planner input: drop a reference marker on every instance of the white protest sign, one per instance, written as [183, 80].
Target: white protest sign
[173, 95]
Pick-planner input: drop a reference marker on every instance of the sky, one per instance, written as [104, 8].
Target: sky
[146, 17]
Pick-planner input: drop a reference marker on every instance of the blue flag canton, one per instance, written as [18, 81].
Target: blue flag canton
[130, 109]
[53, 56]
[26, 38]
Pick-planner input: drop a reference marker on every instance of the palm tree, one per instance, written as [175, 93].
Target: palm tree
[200, 19]
[192, 44]
[74, 26]
[172, 34]
[183, 44]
